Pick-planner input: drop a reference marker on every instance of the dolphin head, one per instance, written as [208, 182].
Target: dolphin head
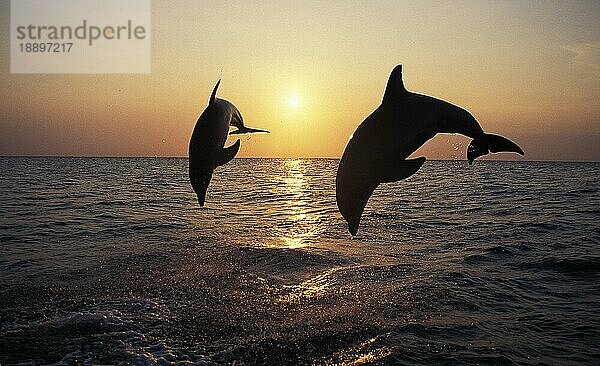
[200, 181]
[351, 210]
[202, 196]
[354, 184]
[351, 200]
[201, 191]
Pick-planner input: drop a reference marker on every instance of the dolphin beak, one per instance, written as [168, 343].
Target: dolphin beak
[353, 228]
[201, 198]
[353, 223]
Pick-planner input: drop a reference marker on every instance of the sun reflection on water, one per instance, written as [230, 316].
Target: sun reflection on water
[299, 224]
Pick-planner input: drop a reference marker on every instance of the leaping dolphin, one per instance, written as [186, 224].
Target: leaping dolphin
[377, 151]
[207, 149]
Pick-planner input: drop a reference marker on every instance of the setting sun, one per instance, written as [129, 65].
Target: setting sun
[294, 101]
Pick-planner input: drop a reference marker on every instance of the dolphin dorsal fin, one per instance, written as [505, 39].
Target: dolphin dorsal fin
[213, 96]
[395, 86]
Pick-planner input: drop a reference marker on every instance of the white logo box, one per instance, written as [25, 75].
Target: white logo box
[80, 36]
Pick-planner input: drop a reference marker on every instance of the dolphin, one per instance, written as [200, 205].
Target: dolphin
[377, 151]
[207, 144]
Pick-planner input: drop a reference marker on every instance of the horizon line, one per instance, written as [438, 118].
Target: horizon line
[267, 157]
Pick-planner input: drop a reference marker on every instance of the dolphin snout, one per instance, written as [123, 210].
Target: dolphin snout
[353, 227]
[201, 198]
[352, 217]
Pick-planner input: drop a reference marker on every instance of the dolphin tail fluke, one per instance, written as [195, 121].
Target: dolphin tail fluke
[402, 169]
[228, 153]
[491, 143]
[247, 130]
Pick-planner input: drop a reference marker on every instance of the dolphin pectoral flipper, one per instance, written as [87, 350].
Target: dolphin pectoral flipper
[228, 153]
[401, 169]
[490, 143]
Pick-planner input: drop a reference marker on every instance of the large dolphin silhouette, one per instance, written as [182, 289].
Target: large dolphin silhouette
[377, 151]
[207, 149]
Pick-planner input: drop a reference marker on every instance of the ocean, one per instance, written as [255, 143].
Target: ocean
[111, 261]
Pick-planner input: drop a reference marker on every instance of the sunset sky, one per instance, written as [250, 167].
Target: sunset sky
[310, 72]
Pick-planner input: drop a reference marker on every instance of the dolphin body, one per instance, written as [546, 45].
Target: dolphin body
[207, 149]
[377, 151]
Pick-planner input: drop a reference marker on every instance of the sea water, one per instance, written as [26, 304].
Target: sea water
[111, 260]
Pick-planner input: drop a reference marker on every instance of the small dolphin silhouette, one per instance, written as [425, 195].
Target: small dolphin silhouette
[377, 151]
[207, 149]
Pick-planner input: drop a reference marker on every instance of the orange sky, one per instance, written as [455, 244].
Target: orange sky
[528, 71]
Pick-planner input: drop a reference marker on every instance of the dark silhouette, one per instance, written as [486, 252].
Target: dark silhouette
[207, 149]
[377, 151]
